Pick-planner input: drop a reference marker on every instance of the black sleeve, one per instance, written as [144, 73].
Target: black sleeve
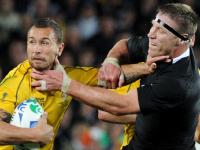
[160, 96]
[138, 48]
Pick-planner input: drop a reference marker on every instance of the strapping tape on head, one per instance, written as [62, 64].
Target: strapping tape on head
[170, 29]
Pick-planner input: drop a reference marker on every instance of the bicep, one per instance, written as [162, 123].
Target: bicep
[129, 103]
[132, 98]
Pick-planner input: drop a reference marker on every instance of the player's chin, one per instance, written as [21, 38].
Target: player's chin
[152, 53]
[39, 67]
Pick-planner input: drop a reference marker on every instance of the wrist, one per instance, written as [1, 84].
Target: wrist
[65, 84]
[66, 80]
[111, 60]
[32, 135]
[114, 62]
[146, 69]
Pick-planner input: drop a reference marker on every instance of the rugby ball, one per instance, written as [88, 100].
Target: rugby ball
[26, 115]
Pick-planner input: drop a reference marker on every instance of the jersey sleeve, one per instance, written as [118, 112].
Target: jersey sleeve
[127, 88]
[7, 93]
[137, 48]
[9, 87]
[7, 100]
[85, 75]
[88, 76]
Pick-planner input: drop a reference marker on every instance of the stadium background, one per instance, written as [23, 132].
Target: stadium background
[91, 27]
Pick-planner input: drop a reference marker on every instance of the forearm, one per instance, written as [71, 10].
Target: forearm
[119, 50]
[100, 98]
[13, 135]
[133, 72]
[108, 117]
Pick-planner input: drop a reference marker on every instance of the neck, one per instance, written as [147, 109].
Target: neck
[183, 55]
[179, 51]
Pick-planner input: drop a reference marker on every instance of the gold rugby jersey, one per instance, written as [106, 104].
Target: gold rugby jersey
[16, 87]
[128, 128]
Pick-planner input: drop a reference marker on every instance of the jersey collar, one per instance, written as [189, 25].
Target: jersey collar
[185, 54]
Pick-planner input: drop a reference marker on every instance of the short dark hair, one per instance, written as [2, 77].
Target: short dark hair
[183, 14]
[136, 43]
[48, 22]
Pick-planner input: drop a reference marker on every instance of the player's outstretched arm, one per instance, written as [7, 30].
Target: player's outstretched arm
[42, 133]
[98, 97]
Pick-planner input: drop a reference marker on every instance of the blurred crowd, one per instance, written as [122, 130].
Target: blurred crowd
[91, 27]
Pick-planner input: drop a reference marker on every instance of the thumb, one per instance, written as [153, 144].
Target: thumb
[154, 66]
[101, 83]
[121, 80]
[43, 118]
[56, 61]
[56, 64]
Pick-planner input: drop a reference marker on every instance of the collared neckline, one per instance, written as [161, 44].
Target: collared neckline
[185, 54]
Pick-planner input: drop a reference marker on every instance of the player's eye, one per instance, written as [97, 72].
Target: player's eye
[32, 42]
[45, 42]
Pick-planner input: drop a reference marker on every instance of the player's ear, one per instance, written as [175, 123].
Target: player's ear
[182, 42]
[190, 40]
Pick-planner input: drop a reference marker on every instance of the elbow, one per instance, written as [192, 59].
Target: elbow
[119, 111]
[126, 110]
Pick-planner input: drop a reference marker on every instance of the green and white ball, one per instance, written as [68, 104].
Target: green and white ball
[26, 115]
